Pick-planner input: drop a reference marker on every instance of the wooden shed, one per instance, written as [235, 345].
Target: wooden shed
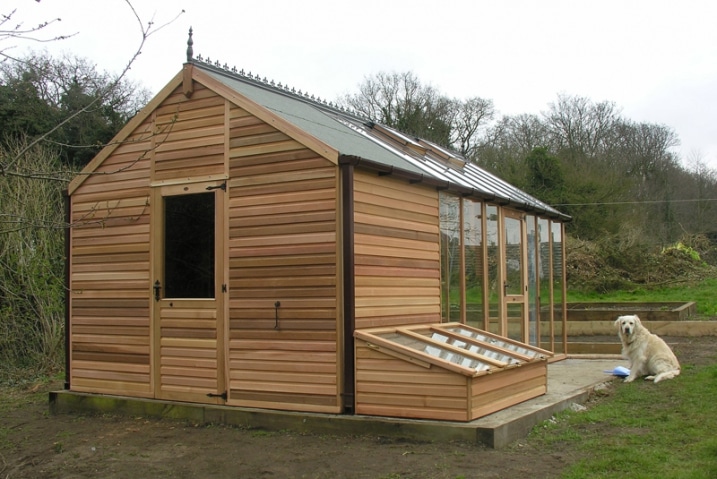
[238, 240]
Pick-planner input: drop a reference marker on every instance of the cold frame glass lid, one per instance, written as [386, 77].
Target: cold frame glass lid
[469, 349]
[491, 340]
[477, 348]
[435, 350]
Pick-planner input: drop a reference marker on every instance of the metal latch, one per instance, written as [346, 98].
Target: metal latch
[157, 288]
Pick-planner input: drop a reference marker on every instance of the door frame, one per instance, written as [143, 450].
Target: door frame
[221, 275]
[512, 299]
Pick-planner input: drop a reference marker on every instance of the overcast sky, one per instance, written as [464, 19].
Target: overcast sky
[656, 60]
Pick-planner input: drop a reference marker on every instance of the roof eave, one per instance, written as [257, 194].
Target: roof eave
[464, 191]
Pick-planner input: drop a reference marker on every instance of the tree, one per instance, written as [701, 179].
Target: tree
[545, 175]
[9, 165]
[469, 118]
[401, 101]
[31, 265]
[49, 110]
[580, 128]
[700, 186]
[508, 142]
[39, 92]
[642, 150]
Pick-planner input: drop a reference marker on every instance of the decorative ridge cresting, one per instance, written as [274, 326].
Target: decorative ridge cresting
[264, 82]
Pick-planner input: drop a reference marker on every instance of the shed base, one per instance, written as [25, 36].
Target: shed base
[569, 381]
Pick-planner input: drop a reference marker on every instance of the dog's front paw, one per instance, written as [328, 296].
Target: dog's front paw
[629, 379]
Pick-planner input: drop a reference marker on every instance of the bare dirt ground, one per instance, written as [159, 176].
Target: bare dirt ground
[35, 444]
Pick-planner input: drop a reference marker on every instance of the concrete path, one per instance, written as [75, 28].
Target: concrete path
[569, 382]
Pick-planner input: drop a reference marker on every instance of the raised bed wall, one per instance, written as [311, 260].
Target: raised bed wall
[598, 319]
[664, 311]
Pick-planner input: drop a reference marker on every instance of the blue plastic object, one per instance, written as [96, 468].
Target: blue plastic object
[619, 371]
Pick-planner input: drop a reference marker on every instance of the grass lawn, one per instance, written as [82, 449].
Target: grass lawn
[643, 430]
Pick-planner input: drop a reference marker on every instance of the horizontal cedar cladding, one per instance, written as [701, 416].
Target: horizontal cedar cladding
[191, 143]
[389, 386]
[109, 272]
[396, 260]
[283, 289]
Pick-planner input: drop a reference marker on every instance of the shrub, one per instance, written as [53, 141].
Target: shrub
[31, 264]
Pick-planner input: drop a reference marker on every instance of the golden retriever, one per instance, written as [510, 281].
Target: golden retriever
[648, 354]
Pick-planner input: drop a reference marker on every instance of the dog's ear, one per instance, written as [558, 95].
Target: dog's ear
[637, 320]
[617, 322]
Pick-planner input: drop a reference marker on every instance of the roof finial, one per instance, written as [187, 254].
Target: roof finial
[190, 50]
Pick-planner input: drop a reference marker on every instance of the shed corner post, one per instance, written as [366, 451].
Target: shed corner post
[68, 225]
[349, 303]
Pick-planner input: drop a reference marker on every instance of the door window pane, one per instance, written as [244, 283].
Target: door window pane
[493, 252]
[515, 312]
[546, 295]
[513, 282]
[475, 269]
[189, 246]
[513, 255]
[558, 285]
[533, 298]
[450, 258]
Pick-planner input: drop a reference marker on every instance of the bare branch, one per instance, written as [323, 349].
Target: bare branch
[145, 32]
[27, 34]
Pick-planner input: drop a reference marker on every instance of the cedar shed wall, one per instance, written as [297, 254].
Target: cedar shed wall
[396, 252]
[280, 246]
[109, 274]
[282, 249]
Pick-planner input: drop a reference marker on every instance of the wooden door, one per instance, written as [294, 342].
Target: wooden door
[514, 275]
[189, 286]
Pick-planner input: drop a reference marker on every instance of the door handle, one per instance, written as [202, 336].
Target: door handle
[505, 288]
[157, 288]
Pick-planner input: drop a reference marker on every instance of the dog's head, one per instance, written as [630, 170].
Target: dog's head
[627, 325]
